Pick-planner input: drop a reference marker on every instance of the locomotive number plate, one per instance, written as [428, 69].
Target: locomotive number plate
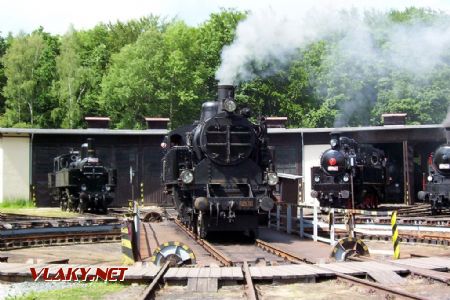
[444, 166]
[246, 203]
[333, 168]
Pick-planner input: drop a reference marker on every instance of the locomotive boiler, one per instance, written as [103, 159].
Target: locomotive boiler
[350, 175]
[80, 182]
[436, 184]
[220, 171]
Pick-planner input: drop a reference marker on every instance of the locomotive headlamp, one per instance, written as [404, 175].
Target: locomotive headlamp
[229, 105]
[316, 178]
[346, 178]
[272, 178]
[83, 187]
[187, 176]
[333, 143]
[430, 178]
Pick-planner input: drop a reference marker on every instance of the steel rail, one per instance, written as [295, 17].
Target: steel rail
[279, 252]
[250, 291]
[53, 239]
[216, 253]
[297, 259]
[149, 292]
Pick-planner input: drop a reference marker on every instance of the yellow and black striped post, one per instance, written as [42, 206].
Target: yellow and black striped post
[127, 247]
[130, 206]
[395, 240]
[142, 194]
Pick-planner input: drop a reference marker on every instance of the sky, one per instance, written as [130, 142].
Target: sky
[57, 15]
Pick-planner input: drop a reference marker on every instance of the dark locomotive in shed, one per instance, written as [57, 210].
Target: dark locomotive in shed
[350, 175]
[80, 182]
[436, 182]
[220, 170]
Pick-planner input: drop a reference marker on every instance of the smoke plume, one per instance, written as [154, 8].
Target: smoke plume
[364, 37]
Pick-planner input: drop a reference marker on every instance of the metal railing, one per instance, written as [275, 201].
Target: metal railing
[297, 223]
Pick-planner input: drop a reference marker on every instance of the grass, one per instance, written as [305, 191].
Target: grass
[94, 290]
[49, 212]
[26, 207]
[16, 203]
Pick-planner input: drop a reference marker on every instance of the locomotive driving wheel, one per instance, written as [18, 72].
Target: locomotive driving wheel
[63, 202]
[81, 206]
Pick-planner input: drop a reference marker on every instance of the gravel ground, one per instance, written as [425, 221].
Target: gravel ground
[17, 289]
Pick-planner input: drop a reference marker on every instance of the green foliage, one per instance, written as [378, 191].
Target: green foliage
[30, 68]
[154, 67]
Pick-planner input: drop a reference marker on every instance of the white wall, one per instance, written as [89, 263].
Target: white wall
[311, 158]
[14, 167]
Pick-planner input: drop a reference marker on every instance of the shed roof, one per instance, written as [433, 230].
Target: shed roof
[89, 131]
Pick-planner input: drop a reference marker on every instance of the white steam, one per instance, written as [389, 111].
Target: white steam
[268, 39]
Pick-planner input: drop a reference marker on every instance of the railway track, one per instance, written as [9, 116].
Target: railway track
[21, 231]
[236, 254]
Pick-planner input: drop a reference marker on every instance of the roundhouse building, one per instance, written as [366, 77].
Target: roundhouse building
[26, 156]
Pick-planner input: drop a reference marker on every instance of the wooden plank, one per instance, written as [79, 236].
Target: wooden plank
[439, 261]
[255, 272]
[237, 273]
[386, 277]
[202, 285]
[135, 273]
[418, 264]
[317, 271]
[150, 272]
[226, 272]
[213, 284]
[260, 273]
[171, 273]
[279, 272]
[436, 275]
[298, 271]
[182, 273]
[215, 272]
[192, 284]
[342, 268]
[193, 273]
[204, 272]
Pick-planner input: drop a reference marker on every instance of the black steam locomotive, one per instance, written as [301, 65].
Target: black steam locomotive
[350, 175]
[437, 181]
[219, 170]
[79, 182]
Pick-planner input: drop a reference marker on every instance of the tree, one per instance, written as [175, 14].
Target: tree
[3, 47]
[30, 68]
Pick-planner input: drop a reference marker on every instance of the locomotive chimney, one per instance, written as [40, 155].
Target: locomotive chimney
[225, 92]
[225, 98]
[90, 147]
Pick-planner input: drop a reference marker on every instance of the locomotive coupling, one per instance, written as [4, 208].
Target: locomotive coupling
[201, 203]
